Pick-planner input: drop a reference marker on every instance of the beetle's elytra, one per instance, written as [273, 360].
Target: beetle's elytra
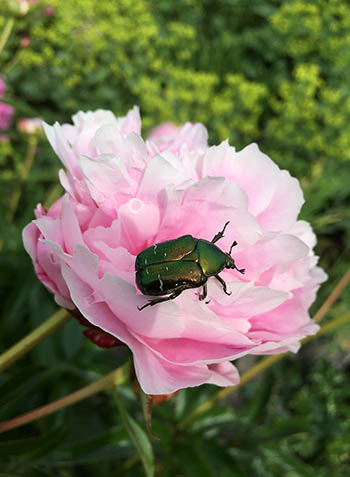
[168, 268]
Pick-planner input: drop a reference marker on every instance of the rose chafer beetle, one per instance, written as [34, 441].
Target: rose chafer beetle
[168, 268]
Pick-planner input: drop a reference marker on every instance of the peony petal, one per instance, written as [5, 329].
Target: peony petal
[285, 205]
[30, 237]
[279, 250]
[104, 177]
[160, 377]
[304, 232]
[139, 224]
[167, 168]
[246, 300]
[223, 374]
[131, 123]
[70, 226]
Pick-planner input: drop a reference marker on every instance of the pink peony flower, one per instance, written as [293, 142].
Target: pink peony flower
[124, 194]
[6, 113]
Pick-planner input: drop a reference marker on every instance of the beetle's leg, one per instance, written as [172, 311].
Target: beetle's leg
[203, 295]
[163, 298]
[242, 270]
[219, 235]
[233, 245]
[223, 284]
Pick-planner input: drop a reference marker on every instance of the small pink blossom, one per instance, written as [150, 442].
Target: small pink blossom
[30, 126]
[23, 6]
[124, 194]
[48, 11]
[4, 138]
[6, 113]
[25, 41]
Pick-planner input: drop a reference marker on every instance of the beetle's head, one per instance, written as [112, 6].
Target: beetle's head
[230, 263]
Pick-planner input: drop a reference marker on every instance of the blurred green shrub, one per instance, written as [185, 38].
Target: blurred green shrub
[268, 71]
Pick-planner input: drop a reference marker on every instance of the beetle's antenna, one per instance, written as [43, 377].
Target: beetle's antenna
[219, 235]
[233, 245]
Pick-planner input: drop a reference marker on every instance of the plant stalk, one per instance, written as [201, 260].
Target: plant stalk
[6, 32]
[28, 342]
[333, 296]
[115, 378]
[23, 176]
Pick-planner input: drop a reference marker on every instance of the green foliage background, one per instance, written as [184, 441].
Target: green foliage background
[270, 71]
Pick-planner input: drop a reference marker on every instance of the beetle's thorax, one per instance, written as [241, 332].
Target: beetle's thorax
[211, 259]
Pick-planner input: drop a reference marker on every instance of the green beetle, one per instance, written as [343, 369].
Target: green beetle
[169, 268]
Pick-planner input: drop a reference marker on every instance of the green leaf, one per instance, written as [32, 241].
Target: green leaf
[289, 462]
[13, 385]
[180, 401]
[6, 474]
[35, 447]
[22, 383]
[72, 338]
[248, 436]
[257, 405]
[285, 428]
[217, 458]
[191, 464]
[113, 443]
[138, 437]
[189, 399]
[215, 418]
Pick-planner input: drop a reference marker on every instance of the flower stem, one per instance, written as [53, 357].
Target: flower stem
[6, 32]
[23, 176]
[330, 326]
[33, 338]
[115, 378]
[13, 62]
[333, 296]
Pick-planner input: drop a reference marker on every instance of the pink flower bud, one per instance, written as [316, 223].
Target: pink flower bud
[23, 7]
[4, 138]
[29, 126]
[6, 113]
[25, 41]
[48, 11]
